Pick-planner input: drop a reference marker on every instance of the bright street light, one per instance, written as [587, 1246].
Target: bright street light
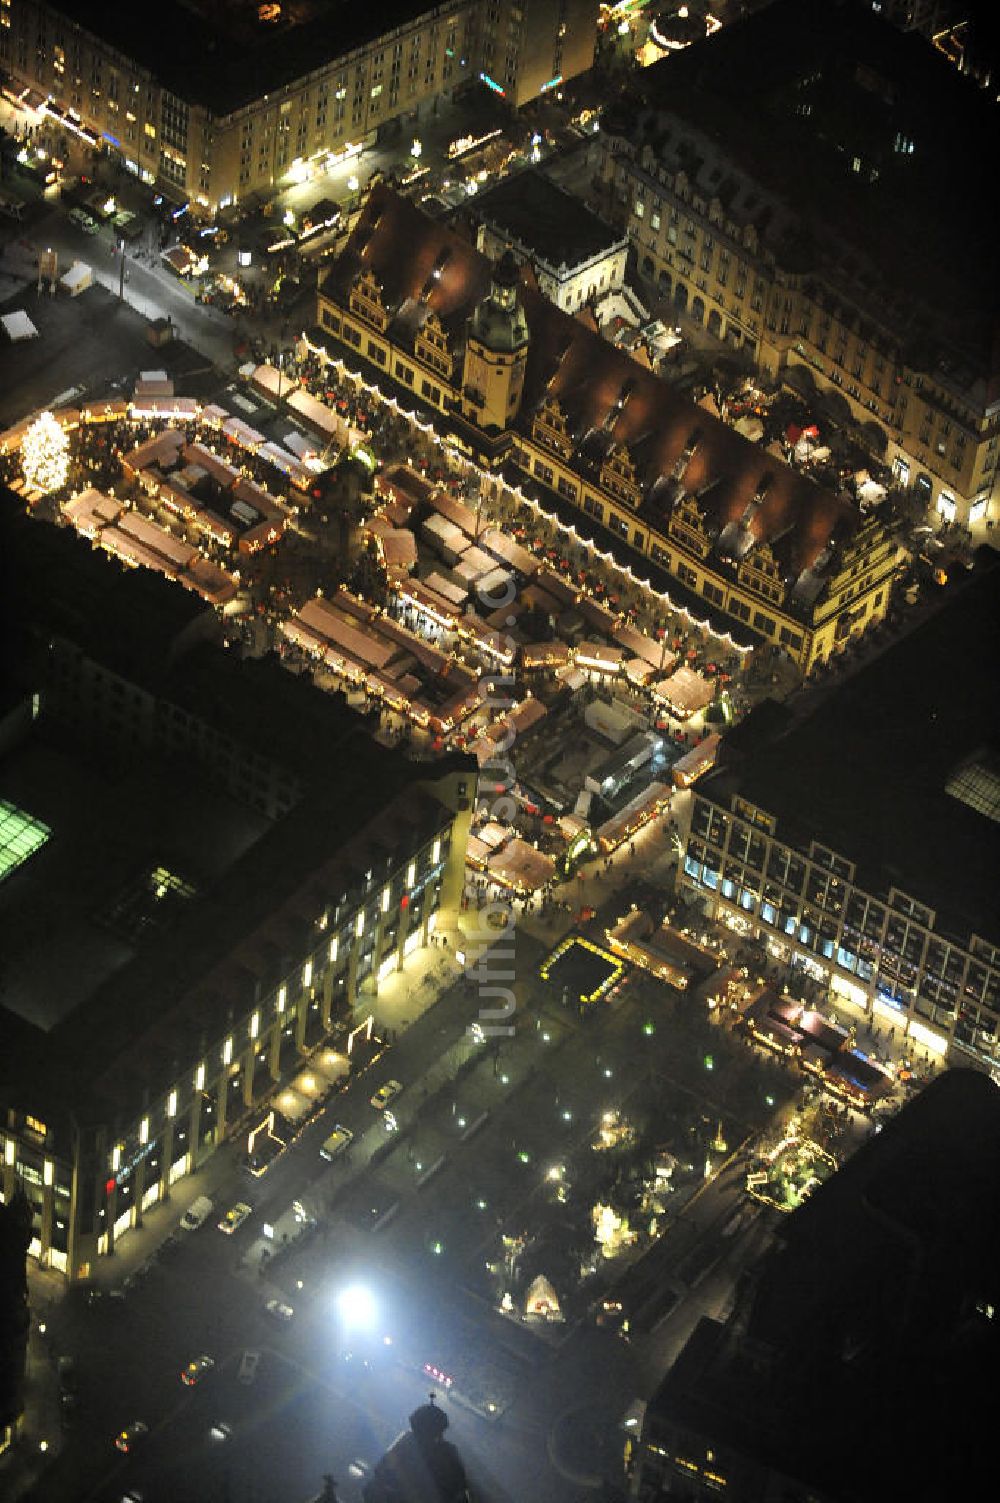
[356, 1304]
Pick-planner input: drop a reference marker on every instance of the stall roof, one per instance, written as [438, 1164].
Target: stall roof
[520, 866]
[685, 692]
[551, 654]
[315, 413]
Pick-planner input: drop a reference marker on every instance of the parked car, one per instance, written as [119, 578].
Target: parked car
[197, 1212]
[69, 1390]
[248, 1367]
[385, 1094]
[279, 1309]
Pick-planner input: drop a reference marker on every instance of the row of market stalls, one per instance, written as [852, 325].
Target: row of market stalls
[507, 859]
[819, 1046]
[366, 647]
[140, 543]
[662, 950]
[487, 588]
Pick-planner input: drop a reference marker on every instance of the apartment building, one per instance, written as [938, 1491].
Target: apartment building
[218, 102]
[822, 214]
[862, 841]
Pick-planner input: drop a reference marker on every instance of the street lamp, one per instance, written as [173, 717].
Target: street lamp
[357, 1308]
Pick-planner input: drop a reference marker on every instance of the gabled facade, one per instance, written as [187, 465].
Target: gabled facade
[513, 377]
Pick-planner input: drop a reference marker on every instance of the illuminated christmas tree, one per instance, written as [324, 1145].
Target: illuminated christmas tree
[45, 455]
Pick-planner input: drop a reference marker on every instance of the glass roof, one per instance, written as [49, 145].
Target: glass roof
[20, 837]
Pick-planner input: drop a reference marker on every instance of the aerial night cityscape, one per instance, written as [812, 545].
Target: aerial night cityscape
[499, 751]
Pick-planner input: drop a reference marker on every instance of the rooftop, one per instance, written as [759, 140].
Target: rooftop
[849, 1361]
[129, 1010]
[110, 826]
[867, 772]
[886, 125]
[609, 401]
[545, 219]
[226, 53]
[48, 581]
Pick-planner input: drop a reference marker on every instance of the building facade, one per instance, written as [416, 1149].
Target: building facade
[533, 387]
[148, 1075]
[740, 251]
[882, 951]
[576, 259]
[277, 108]
[859, 838]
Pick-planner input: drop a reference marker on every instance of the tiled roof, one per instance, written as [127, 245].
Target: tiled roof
[606, 396]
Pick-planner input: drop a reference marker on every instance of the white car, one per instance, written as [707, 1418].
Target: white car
[235, 1217]
[385, 1094]
[279, 1309]
[221, 1430]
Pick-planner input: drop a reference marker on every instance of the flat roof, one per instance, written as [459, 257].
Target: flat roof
[135, 1009]
[796, 94]
[111, 823]
[224, 56]
[546, 219]
[52, 580]
[866, 772]
[876, 1298]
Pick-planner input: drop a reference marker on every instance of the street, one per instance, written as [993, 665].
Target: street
[308, 1410]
